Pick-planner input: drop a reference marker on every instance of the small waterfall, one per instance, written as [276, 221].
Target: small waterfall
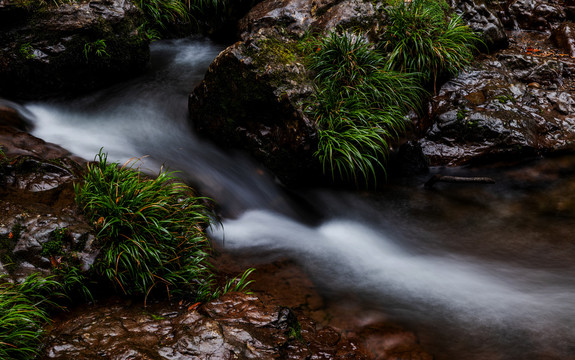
[479, 266]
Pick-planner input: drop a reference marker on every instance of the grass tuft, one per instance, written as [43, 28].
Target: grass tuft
[161, 14]
[359, 105]
[151, 230]
[423, 36]
[23, 315]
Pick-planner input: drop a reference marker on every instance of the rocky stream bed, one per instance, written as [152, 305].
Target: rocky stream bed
[516, 102]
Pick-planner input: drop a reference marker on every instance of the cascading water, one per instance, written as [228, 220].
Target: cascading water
[487, 271]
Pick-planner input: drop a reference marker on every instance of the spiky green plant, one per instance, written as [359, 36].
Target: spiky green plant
[97, 48]
[160, 14]
[23, 315]
[359, 105]
[238, 283]
[164, 12]
[151, 230]
[423, 36]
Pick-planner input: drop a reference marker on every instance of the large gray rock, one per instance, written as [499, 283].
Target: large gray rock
[508, 106]
[77, 46]
[253, 95]
[483, 20]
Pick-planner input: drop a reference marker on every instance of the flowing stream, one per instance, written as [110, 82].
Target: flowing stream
[478, 271]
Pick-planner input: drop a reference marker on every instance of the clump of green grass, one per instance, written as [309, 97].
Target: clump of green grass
[151, 231]
[359, 105]
[424, 36]
[161, 14]
[26, 51]
[237, 284]
[23, 315]
[66, 266]
[97, 48]
[35, 4]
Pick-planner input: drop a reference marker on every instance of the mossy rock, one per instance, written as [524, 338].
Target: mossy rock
[49, 49]
[255, 92]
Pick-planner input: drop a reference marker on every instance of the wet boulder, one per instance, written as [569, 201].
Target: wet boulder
[483, 20]
[539, 15]
[251, 99]
[54, 49]
[253, 96]
[40, 222]
[508, 106]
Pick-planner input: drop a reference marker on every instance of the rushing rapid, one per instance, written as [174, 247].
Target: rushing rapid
[481, 271]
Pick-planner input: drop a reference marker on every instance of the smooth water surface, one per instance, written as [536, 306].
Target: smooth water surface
[479, 271]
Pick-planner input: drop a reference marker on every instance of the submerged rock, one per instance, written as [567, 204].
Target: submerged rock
[61, 49]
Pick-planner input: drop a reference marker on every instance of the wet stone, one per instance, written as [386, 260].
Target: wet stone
[118, 328]
[484, 20]
[539, 15]
[43, 47]
[507, 106]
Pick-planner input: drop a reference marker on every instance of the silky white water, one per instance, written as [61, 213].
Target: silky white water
[474, 269]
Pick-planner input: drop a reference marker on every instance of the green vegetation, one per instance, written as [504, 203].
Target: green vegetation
[97, 48]
[505, 98]
[160, 14]
[31, 4]
[364, 91]
[423, 36]
[27, 51]
[151, 231]
[237, 284]
[23, 315]
[65, 266]
[294, 332]
[359, 105]
[55, 246]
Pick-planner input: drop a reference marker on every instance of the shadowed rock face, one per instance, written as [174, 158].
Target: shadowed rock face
[538, 15]
[484, 20]
[253, 95]
[72, 47]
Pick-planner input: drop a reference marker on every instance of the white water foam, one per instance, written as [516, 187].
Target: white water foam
[350, 256]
